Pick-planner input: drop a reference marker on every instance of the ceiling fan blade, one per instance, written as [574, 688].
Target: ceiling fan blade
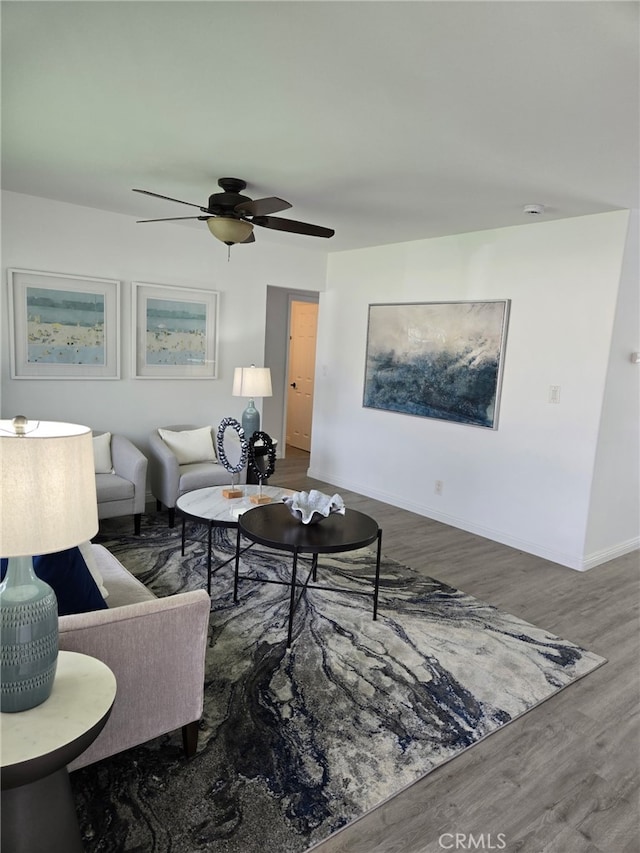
[262, 206]
[250, 239]
[173, 219]
[168, 198]
[279, 224]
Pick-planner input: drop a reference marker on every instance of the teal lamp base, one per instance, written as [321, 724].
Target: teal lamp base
[250, 420]
[29, 637]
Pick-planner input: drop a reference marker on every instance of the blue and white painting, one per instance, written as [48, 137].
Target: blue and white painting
[176, 332]
[439, 360]
[65, 327]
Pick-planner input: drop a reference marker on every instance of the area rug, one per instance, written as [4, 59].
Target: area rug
[296, 743]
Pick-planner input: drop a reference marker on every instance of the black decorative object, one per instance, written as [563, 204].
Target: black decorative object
[260, 471]
[225, 424]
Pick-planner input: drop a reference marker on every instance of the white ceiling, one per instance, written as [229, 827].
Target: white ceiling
[387, 121]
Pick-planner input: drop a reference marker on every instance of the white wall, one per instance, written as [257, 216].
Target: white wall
[615, 496]
[555, 480]
[39, 234]
[528, 484]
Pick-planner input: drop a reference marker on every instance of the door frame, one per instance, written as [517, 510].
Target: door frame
[276, 355]
[291, 299]
[292, 296]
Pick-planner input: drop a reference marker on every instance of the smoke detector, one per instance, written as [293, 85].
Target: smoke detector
[533, 209]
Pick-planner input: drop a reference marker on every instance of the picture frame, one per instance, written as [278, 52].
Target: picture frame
[63, 326]
[441, 360]
[175, 332]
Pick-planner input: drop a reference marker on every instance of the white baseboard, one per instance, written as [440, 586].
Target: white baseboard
[571, 561]
[597, 558]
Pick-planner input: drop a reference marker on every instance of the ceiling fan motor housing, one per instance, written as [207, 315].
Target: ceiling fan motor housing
[225, 202]
[232, 185]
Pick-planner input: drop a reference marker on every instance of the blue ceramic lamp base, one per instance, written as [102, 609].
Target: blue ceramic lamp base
[29, 636]
[250, 420]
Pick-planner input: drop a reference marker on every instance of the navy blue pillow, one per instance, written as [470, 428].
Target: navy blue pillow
[67, 574]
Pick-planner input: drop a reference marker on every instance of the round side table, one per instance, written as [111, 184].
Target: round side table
[38, 810]
[273, 525]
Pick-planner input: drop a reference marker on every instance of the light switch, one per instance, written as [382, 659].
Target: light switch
[554, 393]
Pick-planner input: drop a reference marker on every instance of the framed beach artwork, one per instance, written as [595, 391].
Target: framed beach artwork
[63, 326]
[175, 332]
[440, 360]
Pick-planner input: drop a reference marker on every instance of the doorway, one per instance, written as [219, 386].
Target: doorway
[303, 325]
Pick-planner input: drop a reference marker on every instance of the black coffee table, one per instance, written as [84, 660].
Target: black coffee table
[274, 526]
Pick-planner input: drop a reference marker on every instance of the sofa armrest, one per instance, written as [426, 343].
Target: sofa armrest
[164, 472]
[156, 649]
[131, 464]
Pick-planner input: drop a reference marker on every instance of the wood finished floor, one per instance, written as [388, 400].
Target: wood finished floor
[565, 777]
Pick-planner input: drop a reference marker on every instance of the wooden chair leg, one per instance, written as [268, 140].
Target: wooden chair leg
[158, 505]
[172, 516]
[190, 738]
[137, 518]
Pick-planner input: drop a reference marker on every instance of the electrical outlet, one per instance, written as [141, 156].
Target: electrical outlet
[438, 487]
[554, 393]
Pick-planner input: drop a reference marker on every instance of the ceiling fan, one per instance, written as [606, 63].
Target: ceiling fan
[231, 216]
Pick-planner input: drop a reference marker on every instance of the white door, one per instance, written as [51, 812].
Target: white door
[302, 365]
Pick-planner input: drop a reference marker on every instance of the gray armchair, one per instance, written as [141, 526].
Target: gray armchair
[123, 491]
[169, 479]
[155, 648]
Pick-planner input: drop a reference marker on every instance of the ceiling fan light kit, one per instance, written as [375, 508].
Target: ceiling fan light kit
[231, 216]
[229, 230]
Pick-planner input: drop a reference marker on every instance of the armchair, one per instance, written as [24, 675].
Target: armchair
[121, 477]
[156, 649]
[171, 477]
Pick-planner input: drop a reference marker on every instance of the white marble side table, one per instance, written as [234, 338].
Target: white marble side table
[38, 810]
[209, 506]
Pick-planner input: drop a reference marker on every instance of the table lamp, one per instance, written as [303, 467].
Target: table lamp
[47, 504]
[251, 382]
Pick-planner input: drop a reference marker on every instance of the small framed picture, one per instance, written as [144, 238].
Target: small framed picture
[63, 326]
[175, 331]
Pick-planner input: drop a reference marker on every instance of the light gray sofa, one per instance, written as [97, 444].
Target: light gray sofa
[169, 480]
[123, 491]
[156, 649]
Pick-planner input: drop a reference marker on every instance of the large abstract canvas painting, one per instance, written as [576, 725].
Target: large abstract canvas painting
[439, 360]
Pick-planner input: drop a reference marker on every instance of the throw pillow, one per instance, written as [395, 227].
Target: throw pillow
[102, 453]
[190, 445]
[67, 574]
[90, 559]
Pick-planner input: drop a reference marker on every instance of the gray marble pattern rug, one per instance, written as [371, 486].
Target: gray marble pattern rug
[296, 743]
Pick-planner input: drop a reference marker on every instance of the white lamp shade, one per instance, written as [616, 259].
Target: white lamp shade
[228, 229]
[47, 488]
[252, 382]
